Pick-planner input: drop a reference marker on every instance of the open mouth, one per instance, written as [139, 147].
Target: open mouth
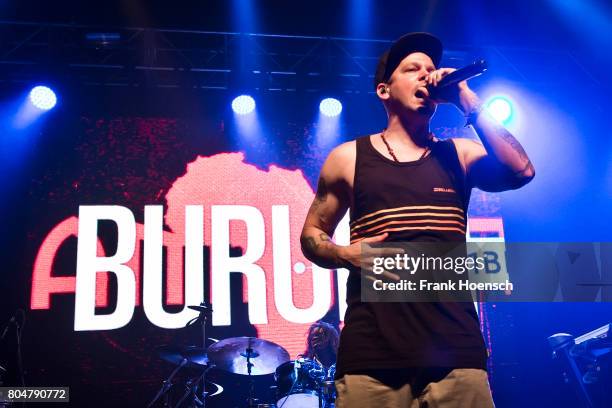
[422, 93]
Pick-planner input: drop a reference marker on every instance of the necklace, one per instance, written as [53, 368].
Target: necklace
[390, 150]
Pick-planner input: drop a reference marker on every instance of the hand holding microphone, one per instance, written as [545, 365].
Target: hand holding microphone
[443, 84]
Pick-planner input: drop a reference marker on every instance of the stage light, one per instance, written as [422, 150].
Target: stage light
[500, 108]
[103, 39]
[243, 104]
[328, 125]
[330, 107]
[43, 97]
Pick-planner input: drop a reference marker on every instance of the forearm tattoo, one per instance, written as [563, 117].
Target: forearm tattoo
[311, 244]
[324, 237]
[528, 168]
[516, 146]
[321, 195]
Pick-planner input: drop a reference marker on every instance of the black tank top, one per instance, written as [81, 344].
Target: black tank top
[425, 201]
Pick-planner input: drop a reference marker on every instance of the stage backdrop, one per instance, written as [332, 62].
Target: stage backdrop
[129, 219]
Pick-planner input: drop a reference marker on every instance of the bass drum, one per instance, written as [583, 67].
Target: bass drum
[298, 383]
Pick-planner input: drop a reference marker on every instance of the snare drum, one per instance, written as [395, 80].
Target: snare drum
[298, 384]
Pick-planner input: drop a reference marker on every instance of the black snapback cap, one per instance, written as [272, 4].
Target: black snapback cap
[403, 46]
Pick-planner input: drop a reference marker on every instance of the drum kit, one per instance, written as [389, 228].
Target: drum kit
[301, 383]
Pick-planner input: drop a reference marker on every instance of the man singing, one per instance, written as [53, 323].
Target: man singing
[403, 184]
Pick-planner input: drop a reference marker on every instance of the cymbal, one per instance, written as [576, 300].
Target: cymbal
[200, 308]
[196, 356]
[231, 355]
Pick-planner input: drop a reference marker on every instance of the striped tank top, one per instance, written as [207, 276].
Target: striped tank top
[420, 201]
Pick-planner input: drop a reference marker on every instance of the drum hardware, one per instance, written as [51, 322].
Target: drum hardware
[303, 383]
[190, 357]
[166, 385]
[205, 310]
[231, 355]
[248, 356]
[195, 357]
[191, 391]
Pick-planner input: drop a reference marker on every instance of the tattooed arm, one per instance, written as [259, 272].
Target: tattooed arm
[500, 162]
[327, 209]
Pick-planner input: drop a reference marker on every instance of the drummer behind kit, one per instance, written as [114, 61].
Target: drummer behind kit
[307, 382]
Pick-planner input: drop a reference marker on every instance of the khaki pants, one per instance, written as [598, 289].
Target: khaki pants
[460, 388]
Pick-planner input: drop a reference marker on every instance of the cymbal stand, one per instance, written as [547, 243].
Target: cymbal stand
[203, 317]
[166, 385]
[250, 353]
[190, 389]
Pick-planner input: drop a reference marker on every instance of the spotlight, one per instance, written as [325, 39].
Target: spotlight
[243, 104]
[500, 108]
[43, 97]
[330, 107]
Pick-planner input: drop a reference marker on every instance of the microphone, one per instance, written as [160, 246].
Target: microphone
[474, 69]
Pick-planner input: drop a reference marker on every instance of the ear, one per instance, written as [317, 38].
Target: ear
[382, 90]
